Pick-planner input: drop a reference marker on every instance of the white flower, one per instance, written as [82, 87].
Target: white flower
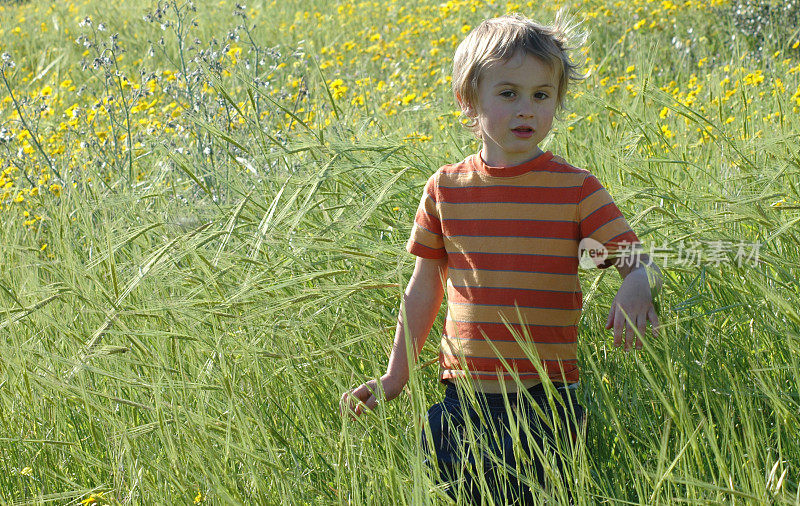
[7, 61]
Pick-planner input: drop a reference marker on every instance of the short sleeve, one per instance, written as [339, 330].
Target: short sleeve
[601, 220]
[426, 238]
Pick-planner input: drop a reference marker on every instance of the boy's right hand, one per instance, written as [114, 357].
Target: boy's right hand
[367, 395]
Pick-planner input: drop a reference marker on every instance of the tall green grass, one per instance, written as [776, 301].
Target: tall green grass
[185, 336]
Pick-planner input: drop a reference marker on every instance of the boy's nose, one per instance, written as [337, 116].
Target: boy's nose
[525, 108]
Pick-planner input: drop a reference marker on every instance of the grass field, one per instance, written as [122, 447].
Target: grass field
[203, 212]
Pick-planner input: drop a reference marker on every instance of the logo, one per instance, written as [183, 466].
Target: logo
[591, 253]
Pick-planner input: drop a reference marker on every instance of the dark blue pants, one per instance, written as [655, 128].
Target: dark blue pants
[471, 440]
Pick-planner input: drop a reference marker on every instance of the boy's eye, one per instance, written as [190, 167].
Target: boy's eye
[541, 95]
[507, 94]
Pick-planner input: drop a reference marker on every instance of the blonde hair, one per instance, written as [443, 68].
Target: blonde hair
[499, 39]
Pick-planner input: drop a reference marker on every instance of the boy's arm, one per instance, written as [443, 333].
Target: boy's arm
[641, 281]
[421, 302]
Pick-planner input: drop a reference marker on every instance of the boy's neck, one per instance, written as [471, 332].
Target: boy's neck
[489, 161]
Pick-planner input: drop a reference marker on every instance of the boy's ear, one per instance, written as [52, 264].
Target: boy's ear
[466, 108]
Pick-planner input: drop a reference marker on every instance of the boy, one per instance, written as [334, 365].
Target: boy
[503, 227]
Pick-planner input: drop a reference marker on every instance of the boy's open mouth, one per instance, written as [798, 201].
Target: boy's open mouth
[522, 131]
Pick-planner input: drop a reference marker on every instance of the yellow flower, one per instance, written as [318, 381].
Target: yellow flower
[338, 89]
[234, 53]
[198, 498]
[55, 189]
[93, 499]
[754, 78]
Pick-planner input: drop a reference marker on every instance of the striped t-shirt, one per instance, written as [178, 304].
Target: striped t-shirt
[511, 236]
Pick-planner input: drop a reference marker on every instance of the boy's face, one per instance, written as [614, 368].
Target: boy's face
[516, 104]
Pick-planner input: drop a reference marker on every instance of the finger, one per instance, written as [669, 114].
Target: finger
[349, 404]
[630, 334]
[625, 324]
[353, 399]
[370, 404]
[364, 391]
[610, 319]
[654, 323]
[344, 401]
[619, 321]
[641, 326]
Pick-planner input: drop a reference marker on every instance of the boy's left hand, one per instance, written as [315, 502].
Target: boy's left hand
[635, 300]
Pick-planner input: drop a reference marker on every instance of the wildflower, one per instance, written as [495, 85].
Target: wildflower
[754, 78]
[93, 499]
[55, 189]
[234, 53]
[198, 498]
[7, 61]
[338, 89]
